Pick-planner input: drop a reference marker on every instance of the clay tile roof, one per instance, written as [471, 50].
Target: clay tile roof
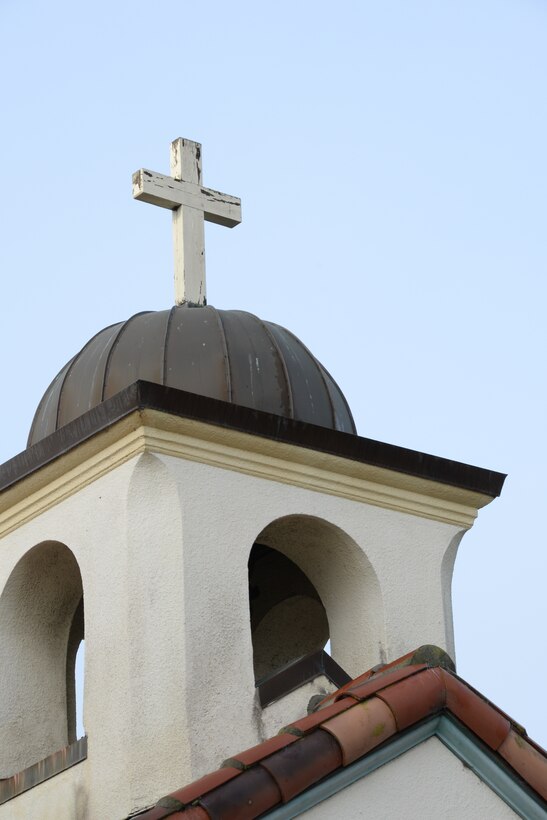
[369, 711]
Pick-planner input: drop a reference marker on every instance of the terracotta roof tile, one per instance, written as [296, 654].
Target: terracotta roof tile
[166, 807]
[192, 813]
[367, 712]
[249, 757]
[298, 766]
[527, 760]
[475, 711]
[425, 656]
[360, 729]
[205, 784]
[379, 682]
[415, 697]
[244, 797]
[307, 724]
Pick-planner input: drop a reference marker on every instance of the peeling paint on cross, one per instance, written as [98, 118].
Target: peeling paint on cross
[191, 204]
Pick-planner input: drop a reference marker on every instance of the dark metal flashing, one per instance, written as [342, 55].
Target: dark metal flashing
[145, 395]
[51, 765]
[296, 674]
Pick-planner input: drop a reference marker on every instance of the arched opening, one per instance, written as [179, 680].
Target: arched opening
[288, 619]
[41, 628]
[309, 583]
[74, 674]
[79, 686]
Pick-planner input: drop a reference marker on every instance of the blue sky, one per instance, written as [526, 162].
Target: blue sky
[391, 162]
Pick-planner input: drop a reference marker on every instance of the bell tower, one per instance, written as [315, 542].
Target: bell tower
[195, 499]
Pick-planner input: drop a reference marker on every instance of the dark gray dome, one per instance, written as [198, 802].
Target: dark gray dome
[225, 354]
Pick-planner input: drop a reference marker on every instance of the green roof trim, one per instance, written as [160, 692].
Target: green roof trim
[461, 742]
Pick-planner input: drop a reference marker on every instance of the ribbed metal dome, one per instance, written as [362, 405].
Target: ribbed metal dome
[225, 354]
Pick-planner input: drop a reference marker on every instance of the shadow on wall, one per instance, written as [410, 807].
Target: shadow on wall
[288, 619]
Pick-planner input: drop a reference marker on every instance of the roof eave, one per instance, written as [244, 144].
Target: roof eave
[145, 395]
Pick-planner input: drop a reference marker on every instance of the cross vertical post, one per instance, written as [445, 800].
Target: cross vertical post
[191, 203]
[188, 228]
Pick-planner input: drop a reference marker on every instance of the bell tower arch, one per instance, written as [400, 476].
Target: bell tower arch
[203, 470]
[41, 626]
[314, 575]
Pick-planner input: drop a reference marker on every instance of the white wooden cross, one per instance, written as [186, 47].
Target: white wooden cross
[191, 204]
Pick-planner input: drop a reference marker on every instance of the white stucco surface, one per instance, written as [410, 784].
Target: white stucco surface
[62, 797]
[37, 607]
[162, 544]
[293, 706]
[426, 783]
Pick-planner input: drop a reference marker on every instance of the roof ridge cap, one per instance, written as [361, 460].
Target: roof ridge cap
[391, 698]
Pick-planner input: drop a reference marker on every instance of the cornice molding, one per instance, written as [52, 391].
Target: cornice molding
[154, 431]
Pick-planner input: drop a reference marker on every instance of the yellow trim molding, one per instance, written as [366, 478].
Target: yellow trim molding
[158, 432]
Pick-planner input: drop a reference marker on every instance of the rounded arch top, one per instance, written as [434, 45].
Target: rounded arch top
[47, 566]
[38, 608]
[345, 581]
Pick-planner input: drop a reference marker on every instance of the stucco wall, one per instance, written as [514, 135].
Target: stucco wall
[37, 607]
[63, 797]
[293, 706]
[162, 545]
[425, 783]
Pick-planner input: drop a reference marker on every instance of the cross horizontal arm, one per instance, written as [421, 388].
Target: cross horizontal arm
[167, 192]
